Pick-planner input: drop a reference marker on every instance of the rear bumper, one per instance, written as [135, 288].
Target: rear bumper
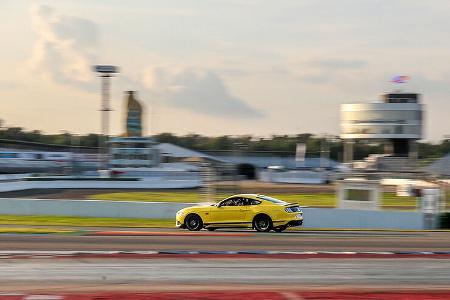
[288, 223]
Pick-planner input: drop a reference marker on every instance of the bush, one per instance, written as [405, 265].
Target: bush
[444, 221]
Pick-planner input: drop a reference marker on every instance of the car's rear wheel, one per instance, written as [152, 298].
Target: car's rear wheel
[262, 223]
[193, 222]
[280, 228]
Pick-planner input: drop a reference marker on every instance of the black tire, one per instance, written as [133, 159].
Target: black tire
[211, 228]
[280, 229]
[193, 222]
[262, 223]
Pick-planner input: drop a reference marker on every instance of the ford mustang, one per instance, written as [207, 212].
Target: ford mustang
[260, 212]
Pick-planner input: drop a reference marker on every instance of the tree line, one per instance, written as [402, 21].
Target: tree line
[17, 137]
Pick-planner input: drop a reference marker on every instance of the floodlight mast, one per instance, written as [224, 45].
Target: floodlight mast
[105, 72]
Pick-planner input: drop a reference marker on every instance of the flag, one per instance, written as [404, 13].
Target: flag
[400, 79]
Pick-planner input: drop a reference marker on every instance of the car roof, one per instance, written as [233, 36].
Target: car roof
[245, 196]
[253, 196]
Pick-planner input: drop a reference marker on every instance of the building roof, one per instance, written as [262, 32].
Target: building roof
[440, 166]
[181, 152]
[287, 162]
[131, 139]
[259, 161]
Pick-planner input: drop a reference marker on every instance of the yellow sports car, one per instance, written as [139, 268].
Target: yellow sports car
[260, 212]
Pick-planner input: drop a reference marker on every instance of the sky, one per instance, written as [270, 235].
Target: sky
[216, 67]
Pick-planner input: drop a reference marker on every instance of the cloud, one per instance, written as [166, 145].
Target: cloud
[198, 90]
[338, 64]
[319, 71]
[65, 48]
[8, 85]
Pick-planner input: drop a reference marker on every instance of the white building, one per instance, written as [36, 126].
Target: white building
[133, 152]
[398, 119]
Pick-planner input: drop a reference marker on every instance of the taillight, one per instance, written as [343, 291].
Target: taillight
[292, 209]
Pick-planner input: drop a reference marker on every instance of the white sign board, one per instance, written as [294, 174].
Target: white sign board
[430, 201]
[358, 194]
[300, 152]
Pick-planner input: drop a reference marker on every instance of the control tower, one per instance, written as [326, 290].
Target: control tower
[132, 150]
[397, 119]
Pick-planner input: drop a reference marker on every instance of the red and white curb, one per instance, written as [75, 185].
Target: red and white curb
[20, 296]
[249, 295]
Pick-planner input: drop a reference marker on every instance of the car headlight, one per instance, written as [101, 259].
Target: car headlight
[179, 213]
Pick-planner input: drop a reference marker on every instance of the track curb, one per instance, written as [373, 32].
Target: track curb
[250, 295]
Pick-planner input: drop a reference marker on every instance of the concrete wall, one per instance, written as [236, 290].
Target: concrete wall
[11, 177]
[350, 218]
[151, 183]
[314, 217]
[90, 208]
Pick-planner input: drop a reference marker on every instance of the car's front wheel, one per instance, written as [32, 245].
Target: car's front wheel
[262, 223]
[193, 222]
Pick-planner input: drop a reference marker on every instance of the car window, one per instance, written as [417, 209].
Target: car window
[232, 202]
[228, 202]
[240, 201]
[253, 202]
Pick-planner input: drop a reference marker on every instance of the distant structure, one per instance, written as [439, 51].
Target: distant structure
[105, 72]
[132, 150]
[133, 115]
[398, 119]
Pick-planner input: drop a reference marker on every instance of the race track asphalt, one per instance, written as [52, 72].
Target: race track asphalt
[232, 275]
[173, 239]
[297, 273]
[265, 272]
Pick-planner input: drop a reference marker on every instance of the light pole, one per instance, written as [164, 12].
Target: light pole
[105, 72]
[324, 151]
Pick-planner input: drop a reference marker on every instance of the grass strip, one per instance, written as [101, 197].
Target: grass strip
[388, 201]
[25, 230]
[84, 221]
[325, 199]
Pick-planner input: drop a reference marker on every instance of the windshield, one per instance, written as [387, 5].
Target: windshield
[273, 200]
